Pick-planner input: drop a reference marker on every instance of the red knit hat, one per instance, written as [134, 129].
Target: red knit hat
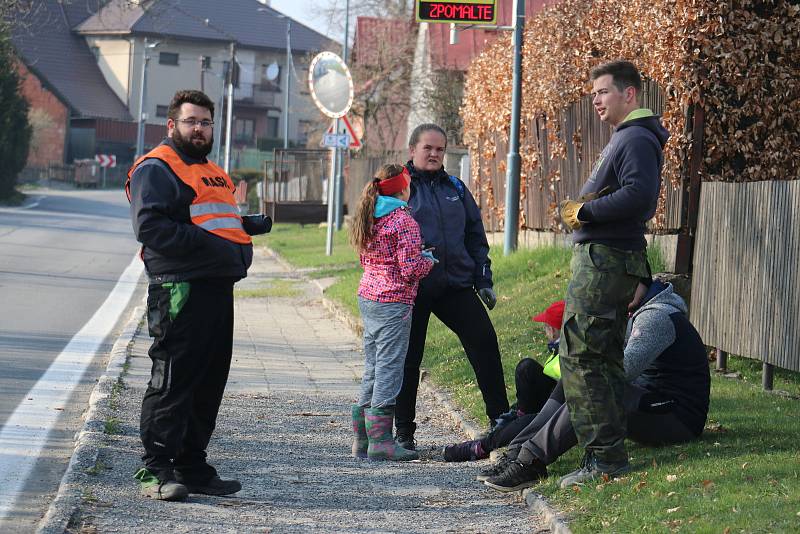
[553, 315]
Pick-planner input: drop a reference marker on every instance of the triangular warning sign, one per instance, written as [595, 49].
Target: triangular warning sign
[346, 127]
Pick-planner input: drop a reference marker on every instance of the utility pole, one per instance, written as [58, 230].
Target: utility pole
[339, 212]
[220, 110]
[142, 100]
[286, 83]
[231, 70]
[513, 159]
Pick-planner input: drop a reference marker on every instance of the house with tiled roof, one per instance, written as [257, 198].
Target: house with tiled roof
[90, 59]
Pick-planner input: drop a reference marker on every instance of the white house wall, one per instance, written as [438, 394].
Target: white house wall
[113, 58]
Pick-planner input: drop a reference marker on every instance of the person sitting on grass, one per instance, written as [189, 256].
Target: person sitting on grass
[534, 385]
[666, 398]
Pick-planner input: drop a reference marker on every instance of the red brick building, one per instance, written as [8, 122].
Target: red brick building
[49, 119]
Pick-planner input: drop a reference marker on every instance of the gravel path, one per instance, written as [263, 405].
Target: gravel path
[284, 432]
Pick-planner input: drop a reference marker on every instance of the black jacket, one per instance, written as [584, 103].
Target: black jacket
[450, 221]
[630, 165]
[174, 249]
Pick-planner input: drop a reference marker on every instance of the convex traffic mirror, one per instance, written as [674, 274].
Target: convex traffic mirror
[331, 84]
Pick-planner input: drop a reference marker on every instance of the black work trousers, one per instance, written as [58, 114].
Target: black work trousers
[191, 356]
[462, 312]
[533, 390]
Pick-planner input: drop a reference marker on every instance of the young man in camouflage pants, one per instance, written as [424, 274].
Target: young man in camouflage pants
[609, 268]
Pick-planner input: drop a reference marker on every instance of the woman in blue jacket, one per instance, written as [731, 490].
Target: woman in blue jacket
[451, 226]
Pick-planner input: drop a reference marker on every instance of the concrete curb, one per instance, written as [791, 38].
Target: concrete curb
[535, 502]
[89, 439]
[539, 505]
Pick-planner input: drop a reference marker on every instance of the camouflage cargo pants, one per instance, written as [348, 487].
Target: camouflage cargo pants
[604, 280]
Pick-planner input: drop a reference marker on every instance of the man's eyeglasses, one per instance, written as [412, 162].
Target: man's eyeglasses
[191, 123]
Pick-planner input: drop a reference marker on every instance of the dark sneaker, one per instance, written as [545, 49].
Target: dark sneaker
[494, 469]
[517, 476]
[467, 451]
[150, 486]
[405, 438]
[592, 469]
[216, 486]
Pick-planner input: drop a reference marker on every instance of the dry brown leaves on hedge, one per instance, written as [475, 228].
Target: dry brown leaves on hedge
[738, 60]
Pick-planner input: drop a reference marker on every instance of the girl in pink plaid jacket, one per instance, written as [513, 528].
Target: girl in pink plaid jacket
[390, 248]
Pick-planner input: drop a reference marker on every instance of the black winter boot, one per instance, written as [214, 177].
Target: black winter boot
[405, 438]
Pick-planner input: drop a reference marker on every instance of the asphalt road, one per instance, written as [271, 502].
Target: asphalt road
[61, 255]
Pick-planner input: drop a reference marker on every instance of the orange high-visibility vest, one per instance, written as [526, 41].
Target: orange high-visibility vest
[214, 209]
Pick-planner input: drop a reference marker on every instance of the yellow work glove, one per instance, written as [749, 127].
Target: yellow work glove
[568, 209]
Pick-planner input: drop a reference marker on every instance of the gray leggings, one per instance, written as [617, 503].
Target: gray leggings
[387, 326]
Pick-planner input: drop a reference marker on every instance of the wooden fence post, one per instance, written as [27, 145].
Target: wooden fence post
[691, 196]
[767, 373]
[722, 360]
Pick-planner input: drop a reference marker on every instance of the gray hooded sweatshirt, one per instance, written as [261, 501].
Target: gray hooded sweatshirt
[666, 356]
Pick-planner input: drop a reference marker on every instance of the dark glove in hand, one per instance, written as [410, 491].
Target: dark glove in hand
[488, 297]
[257, 224]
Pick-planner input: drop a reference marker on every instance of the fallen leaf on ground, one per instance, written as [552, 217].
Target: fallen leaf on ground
[671, 510]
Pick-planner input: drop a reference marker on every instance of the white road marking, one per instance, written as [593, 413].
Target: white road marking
[25, 433]
[35, 203]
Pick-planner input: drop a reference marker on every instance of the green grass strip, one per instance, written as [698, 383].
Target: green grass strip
[743, 475]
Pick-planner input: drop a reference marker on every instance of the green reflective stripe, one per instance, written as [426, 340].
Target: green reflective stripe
[223, 222]
[178, 295]
[638, 114]
[212, 208]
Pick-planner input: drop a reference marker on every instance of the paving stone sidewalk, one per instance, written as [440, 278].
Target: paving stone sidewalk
[284, 431]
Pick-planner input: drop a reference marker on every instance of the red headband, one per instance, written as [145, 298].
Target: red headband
[394, 184]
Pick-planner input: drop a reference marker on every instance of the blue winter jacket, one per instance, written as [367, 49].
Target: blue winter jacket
[450, 221]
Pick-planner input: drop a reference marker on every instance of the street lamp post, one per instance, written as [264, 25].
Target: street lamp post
[513, 159]
[287, 83]
[339, 186]
[143, 99]
[229, 118]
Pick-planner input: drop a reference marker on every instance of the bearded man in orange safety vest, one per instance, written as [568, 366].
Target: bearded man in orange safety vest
[195, 246]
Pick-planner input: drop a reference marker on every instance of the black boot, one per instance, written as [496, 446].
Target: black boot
[405, 438]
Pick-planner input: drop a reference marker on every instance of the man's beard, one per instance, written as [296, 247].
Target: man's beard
[188, 147]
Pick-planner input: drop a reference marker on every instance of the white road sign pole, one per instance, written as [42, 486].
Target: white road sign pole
[331, 199]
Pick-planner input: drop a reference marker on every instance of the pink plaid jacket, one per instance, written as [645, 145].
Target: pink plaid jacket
[392, 262]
